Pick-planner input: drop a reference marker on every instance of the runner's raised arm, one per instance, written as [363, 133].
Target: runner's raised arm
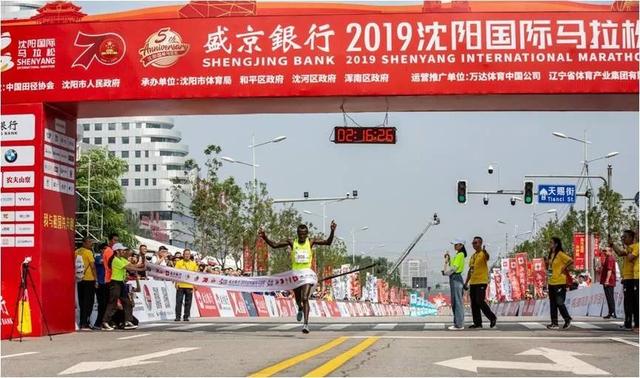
[272, 244]
[329, 240]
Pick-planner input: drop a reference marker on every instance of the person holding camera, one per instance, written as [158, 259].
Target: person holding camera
[477, 281]
[630, 277]
[119, 264]
[184, 291]
[454, 270]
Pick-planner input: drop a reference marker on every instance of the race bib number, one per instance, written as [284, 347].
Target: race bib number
[302, 256]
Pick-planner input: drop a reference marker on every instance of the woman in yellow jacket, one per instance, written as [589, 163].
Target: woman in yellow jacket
[559, 262]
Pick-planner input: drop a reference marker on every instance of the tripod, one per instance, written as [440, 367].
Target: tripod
[24, 277]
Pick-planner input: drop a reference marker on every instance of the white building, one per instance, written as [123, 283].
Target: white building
[412, 268]
[155, 157]
[12, 10]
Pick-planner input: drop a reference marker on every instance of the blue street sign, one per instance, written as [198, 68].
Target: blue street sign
[556, 194]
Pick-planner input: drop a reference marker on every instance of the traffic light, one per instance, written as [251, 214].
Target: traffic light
[462, 191]
[528, 192]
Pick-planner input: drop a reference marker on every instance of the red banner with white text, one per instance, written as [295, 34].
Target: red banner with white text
[539, 277]
[578, 250]
[345, 55]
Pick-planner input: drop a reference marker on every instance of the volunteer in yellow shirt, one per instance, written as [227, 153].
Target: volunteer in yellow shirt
[184, 291]
[629, 256]
[477, 281]
[559, 263]
[86, 286]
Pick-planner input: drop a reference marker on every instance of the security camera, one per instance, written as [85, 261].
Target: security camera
[490, 169]
[485, 199]
[513, 201]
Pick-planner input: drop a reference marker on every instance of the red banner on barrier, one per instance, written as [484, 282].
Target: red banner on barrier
[206, 302]
[522, 260]
[539, 277]
[345, 55]
[516, 292]
[497, 279]
[262, 251]
[237, 303]
[261, 305]
[247, 260]
[578, 250]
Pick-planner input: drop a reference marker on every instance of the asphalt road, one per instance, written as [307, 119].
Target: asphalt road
[335, 347]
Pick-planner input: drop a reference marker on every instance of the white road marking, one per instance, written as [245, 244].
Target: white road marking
[383, 326]
[84, 367]
[335, 327]
[236, 326]
[533, 325]
[562, 361]
[286, 327]
[584, 325]
[629, 342]
[190, 326]
[134, 336]
[152, 325]
[433, 326]
[18, 354]
[485, 337]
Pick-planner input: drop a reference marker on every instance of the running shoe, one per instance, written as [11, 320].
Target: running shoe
[305, 329]
[552, 326]
[106, 327]
[454, 328]
[129, 325]
[299, 315]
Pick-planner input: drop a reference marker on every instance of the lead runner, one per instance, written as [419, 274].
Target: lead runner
[301, 257]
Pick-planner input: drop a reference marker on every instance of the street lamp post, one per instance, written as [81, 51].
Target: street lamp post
[353, 243]
[324, 213]
[587, 201]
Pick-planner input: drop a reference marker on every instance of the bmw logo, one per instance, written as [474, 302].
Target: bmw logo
[10, 155]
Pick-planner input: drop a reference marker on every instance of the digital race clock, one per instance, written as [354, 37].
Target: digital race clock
[371, 135]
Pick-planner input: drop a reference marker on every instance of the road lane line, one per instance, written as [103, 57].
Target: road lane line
[236, 326]
[433, 326]
[134, 336]
[190, 326]
[584, 325]
[341, 359]
[285, 327]
[620, 340]
[533, 325]
[18, 354]
[335, 327]
[387, 326]
[282, 365]
[152, 325]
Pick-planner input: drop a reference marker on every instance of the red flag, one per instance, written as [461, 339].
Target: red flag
[539, 277]
[263, 255]
[578, 250]
[247, 260]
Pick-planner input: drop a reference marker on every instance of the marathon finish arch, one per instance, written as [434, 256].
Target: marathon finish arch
[221, 57]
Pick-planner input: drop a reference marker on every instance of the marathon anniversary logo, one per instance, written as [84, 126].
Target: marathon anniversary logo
[163, 49]
[106, 48]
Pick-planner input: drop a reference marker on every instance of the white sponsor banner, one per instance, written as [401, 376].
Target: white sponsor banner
[344, 311]
[279, 282]
[24, 216]
[60, 140]
[60, 125]
[25, 229]
[8, 216]
[223, 301]
[314, 311]
[8, 241]
[25, 199]
[272, 306]
[18, 156]
[18, 179]
[577, 301]
[58, 154]
[60, 186]
[7, 229]
[597, 301]
[17, 127]
[59, 170]
[7, 199]
[24, 241]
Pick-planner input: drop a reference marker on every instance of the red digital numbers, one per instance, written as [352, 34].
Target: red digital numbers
[365, 135]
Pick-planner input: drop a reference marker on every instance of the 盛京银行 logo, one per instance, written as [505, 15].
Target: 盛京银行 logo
[163, 49]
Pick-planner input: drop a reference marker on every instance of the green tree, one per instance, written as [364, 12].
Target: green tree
[100, 200]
